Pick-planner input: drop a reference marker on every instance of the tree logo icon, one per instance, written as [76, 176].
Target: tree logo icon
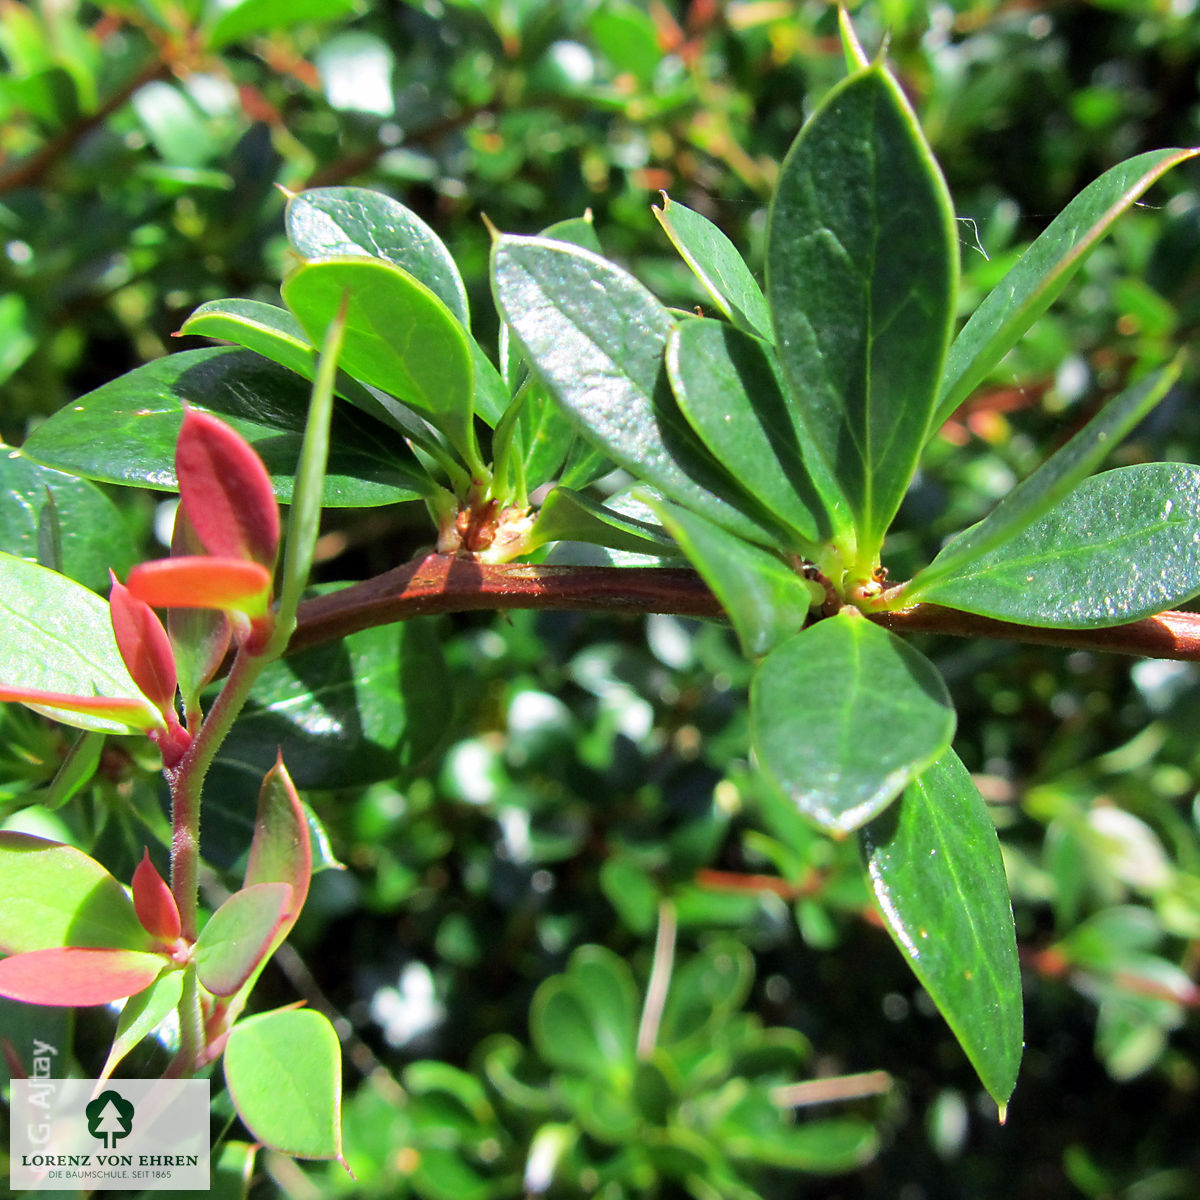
[109, 1117]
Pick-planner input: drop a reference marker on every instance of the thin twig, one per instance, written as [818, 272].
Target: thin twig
[660, 981]
[32, 170]
[837, 1087]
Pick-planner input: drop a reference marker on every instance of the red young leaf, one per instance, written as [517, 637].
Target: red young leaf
[154, 904]
[226, 490]
[144, 646]
[75, 975]
[229, 584]
[136, 712]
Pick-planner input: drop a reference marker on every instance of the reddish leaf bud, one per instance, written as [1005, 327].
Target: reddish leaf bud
[226, 491]
[154, 904]
[145, 647]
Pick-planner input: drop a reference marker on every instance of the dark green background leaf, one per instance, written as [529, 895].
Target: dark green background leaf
[125, 431]
[350, 712]
[91, 531]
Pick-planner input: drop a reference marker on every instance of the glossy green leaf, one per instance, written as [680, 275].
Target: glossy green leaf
[719, 267]
[934, 864]
[125, 431]
[579, 231]
[275, 333]
[92, 534]
[240, 20]
[54, 895]
[344, 710]
[567, 515]
[597, 338]
[340, 222]
[727, 386]
[1123, 545]
[141, 1015]
[1043, 271]
[585, 1019]
[815, 695]
[1051, 482]
[284, 1072]
[57, 636]
[238, 936]
[77, 769]
[862, 266]
[766, 600]
[399, 337]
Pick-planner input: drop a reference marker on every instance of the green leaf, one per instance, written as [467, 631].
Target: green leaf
[862, 266]
[597, 337]
[275, 333]
[814, 697]
[727, 386]
[1051, 482]
[755, 1130]
[852, 49]
[141, 1015]
[1123, 545]
[94, 536]
[584, 1020]
[766, 600]
[125, 431]
[235, 942]
[342, 709]
[719, 267]
[400, 337]
[281, 851]
[579, 231]
[344, 221]
[567, 515]
[54, 895]
[934, 865]
[1042, 272]
[706, 990]
[284, 1072]
[238, 21]
[57, 636]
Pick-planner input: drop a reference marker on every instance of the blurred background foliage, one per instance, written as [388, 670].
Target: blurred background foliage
[576, 787]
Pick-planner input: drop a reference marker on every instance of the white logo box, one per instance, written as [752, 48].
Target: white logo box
[122, 1134]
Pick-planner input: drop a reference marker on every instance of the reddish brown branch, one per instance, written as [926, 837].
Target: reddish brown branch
[32, 170]
[1167, 635]
[440, 584]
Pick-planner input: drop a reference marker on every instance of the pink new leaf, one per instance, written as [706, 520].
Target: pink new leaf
[226, 491]
[135, 712]
[75, 975]
[154, 904]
